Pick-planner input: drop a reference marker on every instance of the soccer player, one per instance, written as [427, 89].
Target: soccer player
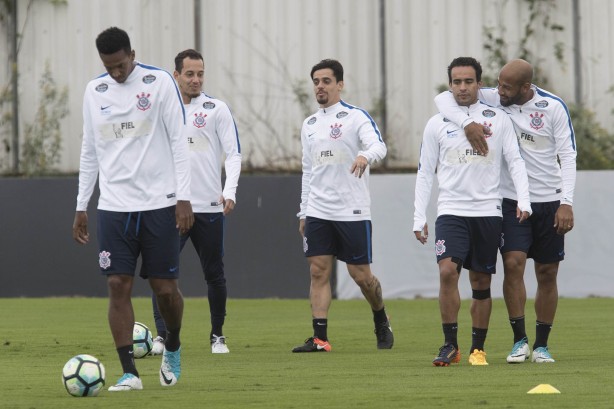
[339, 141]
[211, 134]
[468, 225]
[134, 142]
[547, 143]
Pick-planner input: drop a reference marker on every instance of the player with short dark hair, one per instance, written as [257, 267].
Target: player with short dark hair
[468, 225]
[134, 144]
[340, 142]
[211, 135]
[547, 143]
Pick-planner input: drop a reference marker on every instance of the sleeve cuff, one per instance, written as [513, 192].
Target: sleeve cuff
[467, 122]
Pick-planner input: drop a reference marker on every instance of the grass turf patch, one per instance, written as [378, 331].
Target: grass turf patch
[39, 335]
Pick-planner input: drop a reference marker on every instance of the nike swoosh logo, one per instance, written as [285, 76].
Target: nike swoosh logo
[212, 219]
[489, 267]
[357, 257]
[166, 380]
[449, 132]
[103, 108]
[172, 270]
[313, 133]
[320, 346]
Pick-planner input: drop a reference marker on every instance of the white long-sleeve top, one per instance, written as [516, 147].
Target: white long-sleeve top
[134, 141]
[546, 136]
[332, 138]
[212, 133]
[468, 181]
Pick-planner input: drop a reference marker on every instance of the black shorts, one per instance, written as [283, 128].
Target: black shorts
[536, 236]
[473, 241]
[350, 242]
[152, 234]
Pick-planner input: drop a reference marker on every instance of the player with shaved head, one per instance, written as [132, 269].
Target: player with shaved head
[547, 143]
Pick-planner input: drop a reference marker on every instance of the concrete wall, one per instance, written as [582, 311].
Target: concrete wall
[38, 257]
[408, 269]
[263, 249]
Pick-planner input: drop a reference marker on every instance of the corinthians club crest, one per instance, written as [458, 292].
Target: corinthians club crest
[335, 131]
[104, 259]
[536, 120]
[440, 247]
[143, 101]
[487, 129]
[199, 120]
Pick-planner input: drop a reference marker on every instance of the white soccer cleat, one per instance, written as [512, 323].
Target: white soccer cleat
[171, 367]
[520, 352]
[158, 346]
[218, 345]
[542, 355]
[128, 382]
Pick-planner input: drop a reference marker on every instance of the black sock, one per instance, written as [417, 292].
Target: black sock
[542, 331]
[320, 325]
[172, 339]
[518, 328]
[478, 337]
[126, 358]
[450, 332]
[380, 317]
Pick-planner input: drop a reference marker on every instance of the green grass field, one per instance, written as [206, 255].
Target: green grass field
[39, 335]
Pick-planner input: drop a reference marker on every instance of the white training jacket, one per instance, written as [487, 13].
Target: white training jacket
[545, 134]
[134, 141]
[332, 138]
[212, 133]
[468, 181]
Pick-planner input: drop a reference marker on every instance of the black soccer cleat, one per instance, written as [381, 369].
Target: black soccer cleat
[448, 354]
[383, 333]
[313, 345]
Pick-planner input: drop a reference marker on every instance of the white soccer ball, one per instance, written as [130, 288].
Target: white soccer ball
[142, 339]
[83, 375]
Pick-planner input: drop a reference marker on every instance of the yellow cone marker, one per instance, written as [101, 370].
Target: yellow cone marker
[544, 388]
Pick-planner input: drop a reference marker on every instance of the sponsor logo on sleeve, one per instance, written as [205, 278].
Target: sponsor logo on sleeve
[102, 87]
[208, 105]
[312, 120]
[541, 104]
[148, 79]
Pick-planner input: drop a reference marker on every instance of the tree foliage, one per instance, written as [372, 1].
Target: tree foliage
[537, 22]
[41, 149]
[40, 153]
[594, 145]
